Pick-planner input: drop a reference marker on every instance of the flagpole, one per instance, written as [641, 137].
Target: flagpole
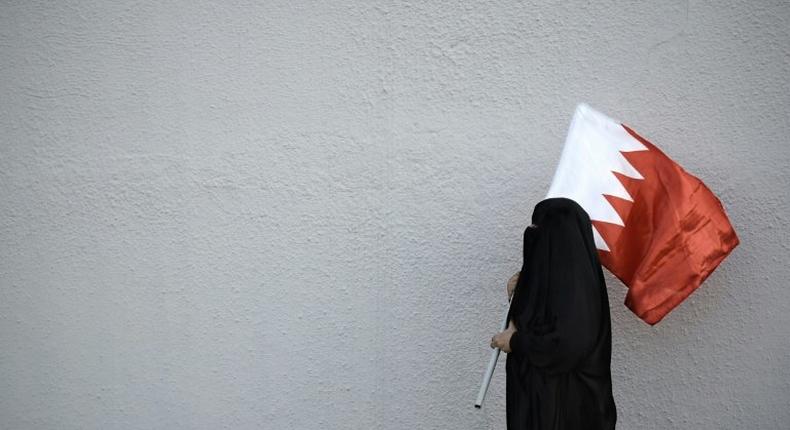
[492, 362]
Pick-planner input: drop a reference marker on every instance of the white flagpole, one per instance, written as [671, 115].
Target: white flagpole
[492, 363]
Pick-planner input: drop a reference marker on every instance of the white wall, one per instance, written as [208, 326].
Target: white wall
[302, 215]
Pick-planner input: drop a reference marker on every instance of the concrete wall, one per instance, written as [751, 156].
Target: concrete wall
[291, 215]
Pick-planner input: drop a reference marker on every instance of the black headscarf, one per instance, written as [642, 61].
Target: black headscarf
[558, 370]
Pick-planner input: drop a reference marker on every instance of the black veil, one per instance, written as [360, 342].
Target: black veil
[559, 364]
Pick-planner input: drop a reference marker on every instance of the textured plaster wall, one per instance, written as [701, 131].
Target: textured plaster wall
[302, 215]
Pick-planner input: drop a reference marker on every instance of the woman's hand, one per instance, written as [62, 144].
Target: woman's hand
[501, 340]
[511, 284]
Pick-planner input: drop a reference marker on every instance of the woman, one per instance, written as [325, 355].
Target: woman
[559, 339]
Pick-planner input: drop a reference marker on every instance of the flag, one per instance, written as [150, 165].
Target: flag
[657, 228]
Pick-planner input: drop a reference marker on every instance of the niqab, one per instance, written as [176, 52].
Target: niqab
[558, 370]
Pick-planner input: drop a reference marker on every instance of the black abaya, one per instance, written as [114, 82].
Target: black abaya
[558, 370]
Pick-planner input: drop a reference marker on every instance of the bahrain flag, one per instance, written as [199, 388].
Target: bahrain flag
[658, 228]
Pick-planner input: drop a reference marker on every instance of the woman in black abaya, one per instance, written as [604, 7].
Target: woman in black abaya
[559, 338]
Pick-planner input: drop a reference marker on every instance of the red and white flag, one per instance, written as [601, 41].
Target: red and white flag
[658, 228]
